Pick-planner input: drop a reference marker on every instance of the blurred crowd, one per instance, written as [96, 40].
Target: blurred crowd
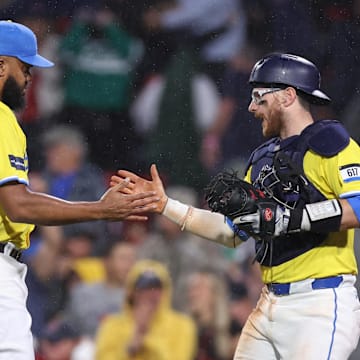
[165, 82]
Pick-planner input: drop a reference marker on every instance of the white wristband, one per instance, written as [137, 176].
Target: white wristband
[200, 222]
[176, 211]
[323, 216]
[323, 210]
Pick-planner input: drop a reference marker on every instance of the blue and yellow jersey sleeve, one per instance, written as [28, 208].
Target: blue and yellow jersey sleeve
[337, 176]
[13, 167]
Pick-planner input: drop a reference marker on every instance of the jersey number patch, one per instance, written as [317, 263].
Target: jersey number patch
[350, 172]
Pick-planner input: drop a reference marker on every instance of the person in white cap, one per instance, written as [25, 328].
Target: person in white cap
[20, 208]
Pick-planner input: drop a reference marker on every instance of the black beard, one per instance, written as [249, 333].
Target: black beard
[12, 94]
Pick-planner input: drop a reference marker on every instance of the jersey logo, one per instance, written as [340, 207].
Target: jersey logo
[350, 172]
[17, 162]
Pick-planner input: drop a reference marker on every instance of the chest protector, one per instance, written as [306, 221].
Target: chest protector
[277, 169]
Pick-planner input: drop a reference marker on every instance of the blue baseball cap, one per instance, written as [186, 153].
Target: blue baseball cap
[19, 41]
[148, 280]
[61, 330]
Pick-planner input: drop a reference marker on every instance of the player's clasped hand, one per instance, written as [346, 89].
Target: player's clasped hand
[138, 185]
[126, 206]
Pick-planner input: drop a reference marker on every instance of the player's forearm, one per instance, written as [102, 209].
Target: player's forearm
[331, 215]
[349, 219]
[42, 209]
[201, 222]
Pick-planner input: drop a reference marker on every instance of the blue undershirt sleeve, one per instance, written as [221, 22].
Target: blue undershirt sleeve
[354, 202]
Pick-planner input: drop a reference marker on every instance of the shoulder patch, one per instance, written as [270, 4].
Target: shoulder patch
[17, 162]
[350, 172]
[330, 138]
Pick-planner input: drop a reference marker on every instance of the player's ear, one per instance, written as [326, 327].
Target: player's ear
[2, 66]
[289, 96]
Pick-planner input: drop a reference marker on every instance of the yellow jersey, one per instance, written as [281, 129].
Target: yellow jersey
[13, 167]
[334, 177]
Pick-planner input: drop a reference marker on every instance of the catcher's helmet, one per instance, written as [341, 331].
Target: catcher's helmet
[291, 70]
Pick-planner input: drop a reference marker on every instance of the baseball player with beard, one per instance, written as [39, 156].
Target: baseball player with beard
[20, 208]
[301, 202]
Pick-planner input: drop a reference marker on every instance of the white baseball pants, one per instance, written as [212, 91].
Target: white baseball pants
[16, 341]
[322, 324]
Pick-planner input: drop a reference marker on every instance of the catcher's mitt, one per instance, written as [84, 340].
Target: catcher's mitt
[232, 196]
[236, 198]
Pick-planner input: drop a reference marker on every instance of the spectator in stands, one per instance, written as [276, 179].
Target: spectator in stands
[147, 327]
[88, 304]
[62, 341]
[215, 29]
[81, 261]
[98, 58]
[208, 305]
[46, 291]
[68, 174]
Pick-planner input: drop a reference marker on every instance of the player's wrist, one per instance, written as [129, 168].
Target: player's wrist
[162, 204]
[322, 217]
[175, 211]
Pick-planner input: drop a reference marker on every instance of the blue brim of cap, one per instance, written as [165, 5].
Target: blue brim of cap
[36, 60]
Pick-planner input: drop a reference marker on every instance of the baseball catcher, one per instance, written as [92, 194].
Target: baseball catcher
[300, 201]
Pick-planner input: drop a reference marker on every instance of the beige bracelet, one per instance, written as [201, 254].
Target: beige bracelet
[184, 220]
